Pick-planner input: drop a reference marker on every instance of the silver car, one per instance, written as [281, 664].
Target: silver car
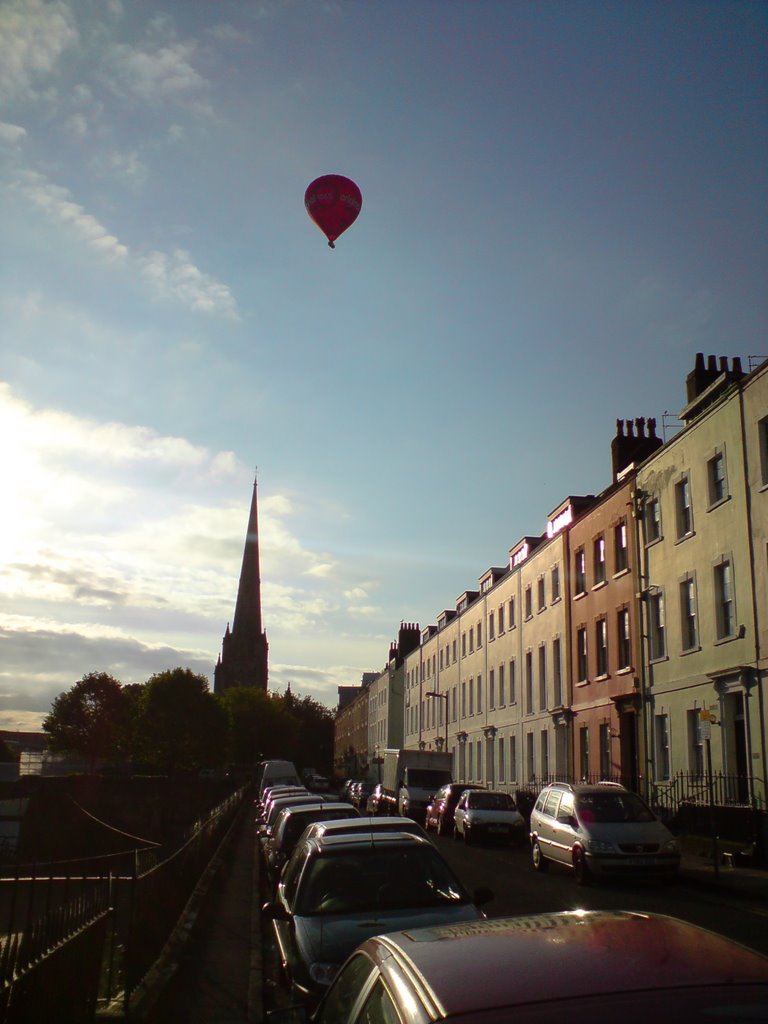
[600, 830]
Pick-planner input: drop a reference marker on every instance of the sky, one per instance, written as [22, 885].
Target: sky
[562, 203]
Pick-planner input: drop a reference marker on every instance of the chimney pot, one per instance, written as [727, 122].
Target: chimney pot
[712, 364]
[723, 364]
[640, 425]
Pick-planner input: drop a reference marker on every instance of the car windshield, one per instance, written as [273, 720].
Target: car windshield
[490, 801]
[612, 806]
[377, 878]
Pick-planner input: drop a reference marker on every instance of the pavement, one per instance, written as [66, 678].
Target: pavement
[211, 972]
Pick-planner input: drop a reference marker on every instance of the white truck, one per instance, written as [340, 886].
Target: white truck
[410, 778]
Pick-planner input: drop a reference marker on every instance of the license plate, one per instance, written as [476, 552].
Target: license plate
[498, 828]
[639, 862]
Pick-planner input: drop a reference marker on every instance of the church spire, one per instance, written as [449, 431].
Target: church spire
[244, 656]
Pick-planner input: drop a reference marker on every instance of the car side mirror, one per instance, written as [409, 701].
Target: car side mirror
[483, 895]
[275, 911]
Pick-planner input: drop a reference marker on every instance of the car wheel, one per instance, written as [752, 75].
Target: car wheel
[538, 861]
[581, 870]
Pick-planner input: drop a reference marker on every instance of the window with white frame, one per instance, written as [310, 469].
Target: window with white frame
[471, 696]
[695, 743]
[530, 755]
[479, 635]
[541, 592]
[491, 689]
[661, 741]
[453, 704]
[725, 612]
[501, 619]
[762, 440]
[471, 639]
[605, 750]
[657, 638]
[689, 628]
[652, 520]
[529, 682]
[528, 602]
[683, 508]
[544, 754]
[557, 671]
[717, 484]
[620, 547]
[623, 638]
[598, 560]
[584, 751]
[502, 759]
[479, 761]
[470, 772]
[501, 685]
[464, 700]
[555, 583]
[542, 677]
[513, 758]
[511, 610]
[463, 645]
[580, 571]
[479, 694]
[582, 666]
[491, 627]
[513, 681]
[601, 647]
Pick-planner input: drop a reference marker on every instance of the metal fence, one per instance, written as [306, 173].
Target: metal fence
[72, 942]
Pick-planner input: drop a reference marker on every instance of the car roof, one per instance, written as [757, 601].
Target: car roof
[363, 824]
[566, 955]
[369, 839]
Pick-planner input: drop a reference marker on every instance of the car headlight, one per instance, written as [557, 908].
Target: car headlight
[599, 846]
[323, 974]
[671, 846]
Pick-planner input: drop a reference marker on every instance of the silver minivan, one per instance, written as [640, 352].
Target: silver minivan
[600, 830]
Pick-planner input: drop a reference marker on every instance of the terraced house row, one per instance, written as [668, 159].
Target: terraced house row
[626, 639]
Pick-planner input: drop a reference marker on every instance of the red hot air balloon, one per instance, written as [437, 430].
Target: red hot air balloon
[333, 202]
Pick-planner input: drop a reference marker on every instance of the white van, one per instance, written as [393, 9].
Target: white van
[278, 773]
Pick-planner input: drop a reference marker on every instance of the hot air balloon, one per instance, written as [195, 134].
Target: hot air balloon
[333, 202]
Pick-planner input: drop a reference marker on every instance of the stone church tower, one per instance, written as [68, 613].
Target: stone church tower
[243, 660]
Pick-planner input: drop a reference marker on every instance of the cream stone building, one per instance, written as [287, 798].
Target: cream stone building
[703, 589]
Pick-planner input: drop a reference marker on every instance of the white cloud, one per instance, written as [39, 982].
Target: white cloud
[55, 202]
[171, 276]
[164, 73]
[33, 36]
[11, 134]
[174, 275]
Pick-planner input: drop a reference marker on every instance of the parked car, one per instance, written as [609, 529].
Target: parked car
[360, 793]
[377, 802]
[487, 814]
[276, 805]
[387, 823]
[289, 826]
[275, 773]
[318, 783]
[336, 891]
[345, 790]
[272, 793]
[576, 965]
[440, 810]
[600, 830]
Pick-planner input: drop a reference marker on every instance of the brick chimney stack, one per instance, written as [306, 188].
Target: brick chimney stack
[634, 446]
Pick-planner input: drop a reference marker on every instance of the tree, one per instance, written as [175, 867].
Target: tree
[258, 725]
[182, 724]
[88, 718]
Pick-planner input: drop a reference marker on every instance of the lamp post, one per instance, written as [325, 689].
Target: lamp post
[441, 696]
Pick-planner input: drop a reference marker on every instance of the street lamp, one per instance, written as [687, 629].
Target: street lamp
[441, 696]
